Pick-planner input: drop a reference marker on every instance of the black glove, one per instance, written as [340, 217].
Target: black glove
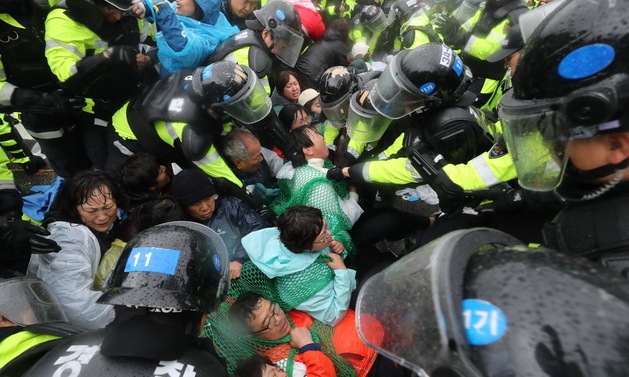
[63, 103]
[33, 165]
[335, 174]
[122, 55]
[450, 28]
[38, 101]
[23, 236]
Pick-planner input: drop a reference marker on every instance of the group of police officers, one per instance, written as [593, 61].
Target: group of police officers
[475, 302]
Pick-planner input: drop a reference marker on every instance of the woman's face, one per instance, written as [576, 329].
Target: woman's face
[291, 90]
[185, 8]
[315, 108]
[99, 211]
[203, 209]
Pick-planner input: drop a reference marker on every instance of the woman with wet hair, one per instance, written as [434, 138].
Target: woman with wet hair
[83, 220]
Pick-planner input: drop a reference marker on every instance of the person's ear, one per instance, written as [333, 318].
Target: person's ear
[238, 164]
[618, 145]
[307, 151]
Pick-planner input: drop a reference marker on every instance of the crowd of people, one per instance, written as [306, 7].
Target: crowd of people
[229, 170]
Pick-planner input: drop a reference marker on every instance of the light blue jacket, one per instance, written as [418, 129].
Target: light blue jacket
[270, 255]
[183, 42]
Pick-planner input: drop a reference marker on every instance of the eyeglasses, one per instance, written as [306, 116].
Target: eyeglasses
[302, 121]
[325, 234]
[266, 322]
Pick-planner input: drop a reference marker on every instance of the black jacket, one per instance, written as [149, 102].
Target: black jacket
[326, 53]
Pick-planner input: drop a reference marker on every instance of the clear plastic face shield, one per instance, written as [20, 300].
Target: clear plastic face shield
[287, 44]
[377, 24]
[365, 125]
[29, 301]
[539, 133]
[337, 112]
[252, 103]
[394, 96]
[412, 312]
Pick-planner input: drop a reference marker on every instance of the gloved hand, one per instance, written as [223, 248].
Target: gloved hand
[121, 55]
[335, 174]
[56, 102]
[450, 28]
[23, 236]
[63, 103]
[33, 165]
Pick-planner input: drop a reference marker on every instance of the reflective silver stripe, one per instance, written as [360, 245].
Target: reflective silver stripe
[207, 159]
[73, 69]
[470, 42]
[382, 156]
[498, 37]
[468, 24]
[54, 44]
[100, 44]
[47, 135]
[100, 122]
[124, 150]
[172, 132]
[416, 176]
[5, 94]
[3, 74]
[365, 172]
[353, 151]
[7, 185]
[483, 170]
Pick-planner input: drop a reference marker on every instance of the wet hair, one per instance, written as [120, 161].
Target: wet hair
[159, 211]
[138, 172]
[299, 227]
[241, 311]
[301, 137]
[288, 114]
[253, 366]
[235, 144]
[77, 190]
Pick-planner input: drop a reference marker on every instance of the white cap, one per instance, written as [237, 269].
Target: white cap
[306, 96]
[359, 50]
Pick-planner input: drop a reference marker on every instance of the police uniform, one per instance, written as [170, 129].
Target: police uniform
[162, 120]
[23, 65]
[81, 356]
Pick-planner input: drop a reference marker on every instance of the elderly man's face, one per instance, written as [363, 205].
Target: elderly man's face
[243, 8]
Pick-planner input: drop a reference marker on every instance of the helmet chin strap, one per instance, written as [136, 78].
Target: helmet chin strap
[577, 184]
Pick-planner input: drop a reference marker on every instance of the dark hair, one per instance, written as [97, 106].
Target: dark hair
[241, 311]
[159, 211]
[283, 78]
[299, 227]
[288, 114]
[138, 172]
[301, 137]
[342, 26]
[253, 366]
[77, 190]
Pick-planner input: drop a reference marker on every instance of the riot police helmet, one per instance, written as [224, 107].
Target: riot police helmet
[364, 123]
[231, 88]
[177, 266]
[456, 133]
[335, 88]
[404, 9]
[428, 77]
[478, 303]
[281, 18]
[374, 18]
[558, 98]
